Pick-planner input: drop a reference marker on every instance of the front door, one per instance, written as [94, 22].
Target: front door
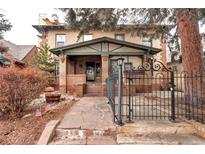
[90, 71]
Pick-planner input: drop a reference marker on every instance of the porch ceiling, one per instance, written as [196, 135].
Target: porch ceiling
[138, 48]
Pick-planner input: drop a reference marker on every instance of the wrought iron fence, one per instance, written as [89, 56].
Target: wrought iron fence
[153, 92]
[111, 80]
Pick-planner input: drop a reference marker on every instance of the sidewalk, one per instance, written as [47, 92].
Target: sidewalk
[89, 113]
[88, 122]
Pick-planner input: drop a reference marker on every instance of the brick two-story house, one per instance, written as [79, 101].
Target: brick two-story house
[85, 63]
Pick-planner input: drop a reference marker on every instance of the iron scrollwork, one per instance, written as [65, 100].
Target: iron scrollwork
[152, 64]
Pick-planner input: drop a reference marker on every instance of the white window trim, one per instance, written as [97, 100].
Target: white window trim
[89, 35]
[56, 39]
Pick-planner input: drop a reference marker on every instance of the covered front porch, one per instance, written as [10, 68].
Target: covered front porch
[85, 66]
[84, 74]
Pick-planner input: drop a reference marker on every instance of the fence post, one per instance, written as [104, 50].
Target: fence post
[120, 83]
[129, 98]
[173, 116]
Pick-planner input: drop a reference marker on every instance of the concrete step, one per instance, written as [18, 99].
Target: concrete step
[160, 127]
[79, 133]
[90, 140]
[81, 137]
[93, 89]
[161, 139]
[158, 132]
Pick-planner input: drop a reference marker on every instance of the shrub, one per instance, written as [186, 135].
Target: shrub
[18, 87]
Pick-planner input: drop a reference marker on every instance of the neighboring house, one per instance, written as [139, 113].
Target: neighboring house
[85, 63]
[176, 65]
[16, 54]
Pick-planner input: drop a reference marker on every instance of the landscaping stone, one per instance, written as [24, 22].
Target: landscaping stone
[48, 132]
[38, 101]
[27, 115]
[49, 89]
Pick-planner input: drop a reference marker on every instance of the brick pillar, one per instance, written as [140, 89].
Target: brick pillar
[105, 67]
[62, 73]
[163, 53]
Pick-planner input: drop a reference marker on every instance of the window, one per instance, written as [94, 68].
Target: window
[60, 40]
[127, 66]
[87, 37]
[147, 41]
[120, 37]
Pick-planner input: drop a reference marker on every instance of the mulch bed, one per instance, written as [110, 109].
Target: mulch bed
[28, 130]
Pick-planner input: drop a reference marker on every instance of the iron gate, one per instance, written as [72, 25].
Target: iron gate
[153, 92]
[148, 92]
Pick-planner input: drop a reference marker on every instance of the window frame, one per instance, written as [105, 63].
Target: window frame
[87, 34]
[126, 66]
[56, 41]
[122, 34]
[146, 41]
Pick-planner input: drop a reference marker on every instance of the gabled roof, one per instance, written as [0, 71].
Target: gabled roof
[151, 50]
[17, 51]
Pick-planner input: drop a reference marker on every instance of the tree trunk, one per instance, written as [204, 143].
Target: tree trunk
[192, 53]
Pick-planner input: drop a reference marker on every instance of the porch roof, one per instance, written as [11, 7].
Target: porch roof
[143, 49]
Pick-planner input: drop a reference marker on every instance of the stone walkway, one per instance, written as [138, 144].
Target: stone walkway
[89, 113]
[88, 122]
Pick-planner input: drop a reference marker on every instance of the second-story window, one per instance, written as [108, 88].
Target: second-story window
[87, 37]
[120, 37]
[147, 41]
[60, 40]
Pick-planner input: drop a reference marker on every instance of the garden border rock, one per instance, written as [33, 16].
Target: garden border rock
[48, 132]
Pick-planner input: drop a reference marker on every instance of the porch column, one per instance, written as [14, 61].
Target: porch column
[105, 67]
[62, 73]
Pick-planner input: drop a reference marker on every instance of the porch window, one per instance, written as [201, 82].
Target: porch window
[127, 66]
[147, 41]
[60, 40]
[87, 37]
[120, 37]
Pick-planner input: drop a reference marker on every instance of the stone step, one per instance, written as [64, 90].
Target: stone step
[73, 134]
[160, 139]
[78, 136]
[90, 140]
[160, 127]
[158, 132]
[93, 89]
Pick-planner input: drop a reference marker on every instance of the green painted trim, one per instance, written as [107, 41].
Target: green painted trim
[83, 53]
[105, 40]
[106, 53]
[116, 48]
[92, 48]
[127, 53]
